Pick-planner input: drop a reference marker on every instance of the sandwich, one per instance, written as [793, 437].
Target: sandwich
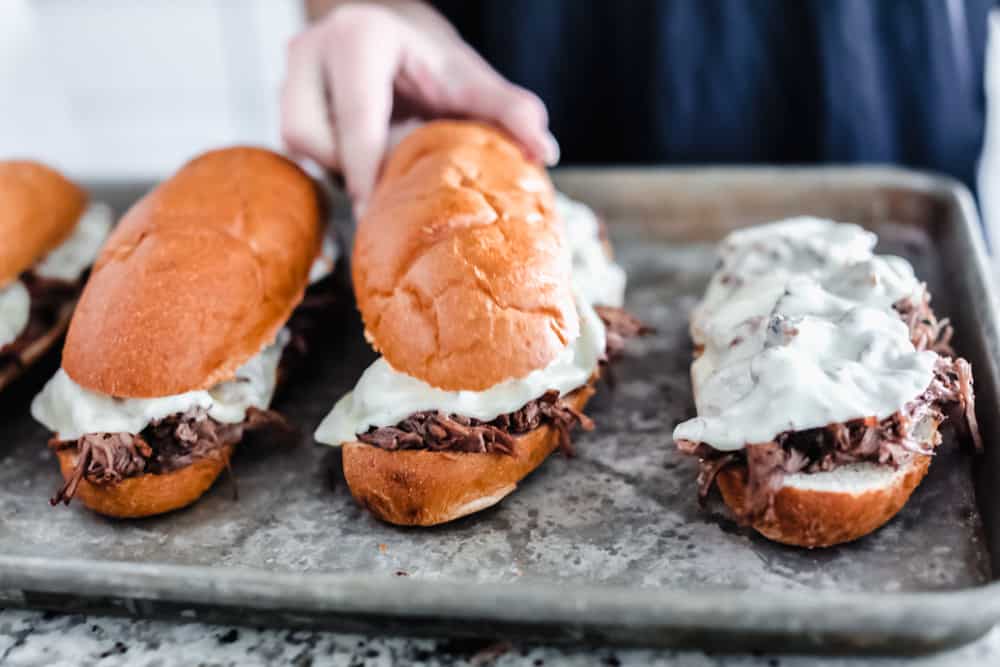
[183, 332]
[462, 272]
[822, 380]
[51, 234]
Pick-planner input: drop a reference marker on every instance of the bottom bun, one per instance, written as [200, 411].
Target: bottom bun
[426, 488]
[827, 508]
[37, 348]
[148, 494]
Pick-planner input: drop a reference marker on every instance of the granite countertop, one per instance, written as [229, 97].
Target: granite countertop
[36, 638]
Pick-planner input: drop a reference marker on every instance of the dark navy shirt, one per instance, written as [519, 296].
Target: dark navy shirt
[746, 81]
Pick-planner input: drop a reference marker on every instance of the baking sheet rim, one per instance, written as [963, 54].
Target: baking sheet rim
[941, 614]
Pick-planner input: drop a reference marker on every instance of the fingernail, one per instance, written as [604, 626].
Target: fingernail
[551, 150]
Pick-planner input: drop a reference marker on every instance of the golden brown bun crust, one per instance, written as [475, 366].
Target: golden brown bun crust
[425, 488]
[13, 369]
[197, 278]
[147, 495]
[811, 518]
[460, 264]
[39, 210]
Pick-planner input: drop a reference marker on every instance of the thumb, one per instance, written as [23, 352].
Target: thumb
[360, 78]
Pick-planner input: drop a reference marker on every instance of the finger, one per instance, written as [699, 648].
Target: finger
[487, 95]
[360, 74]
[306, 123]
[523, 114]
[525, 117]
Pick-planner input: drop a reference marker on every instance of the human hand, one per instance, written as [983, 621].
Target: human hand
[367, 66]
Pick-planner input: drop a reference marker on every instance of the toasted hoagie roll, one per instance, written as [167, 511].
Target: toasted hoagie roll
[462, 271]
[50, 234]
[179, 338]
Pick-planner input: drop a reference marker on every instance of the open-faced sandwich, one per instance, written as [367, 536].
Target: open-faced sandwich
[821, 381]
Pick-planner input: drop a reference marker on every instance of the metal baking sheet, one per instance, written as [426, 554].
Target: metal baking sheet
[609, 546]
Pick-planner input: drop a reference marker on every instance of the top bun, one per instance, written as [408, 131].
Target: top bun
[197, 278]
[461, 269]
[39, 209]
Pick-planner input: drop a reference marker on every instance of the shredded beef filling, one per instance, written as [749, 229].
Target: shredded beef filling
[176, 441]
[893, 441]
[312, 314]
[439, 432]
[48, 296]
[164, 446]
[619, 326]
[927, 332]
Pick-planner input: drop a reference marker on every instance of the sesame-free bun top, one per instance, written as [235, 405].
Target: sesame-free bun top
[461, 269]
[39, 208]
[198, 277]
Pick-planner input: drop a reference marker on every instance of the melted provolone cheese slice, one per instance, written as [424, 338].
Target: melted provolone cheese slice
[595, 275]
[384, 396]
[326, 261]
[70, 411]
[798, 331]
[70, 259]
[15, 308]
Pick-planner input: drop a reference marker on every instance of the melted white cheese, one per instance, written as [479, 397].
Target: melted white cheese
[384, 396]
[595, 275]
[70, 411]
[15, 308]
[798, 331]
[326, 260]
[75, 254]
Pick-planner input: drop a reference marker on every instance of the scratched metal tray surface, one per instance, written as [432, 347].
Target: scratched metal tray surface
[608, 546]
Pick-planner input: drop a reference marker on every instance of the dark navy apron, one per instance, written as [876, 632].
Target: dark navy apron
[747, 81]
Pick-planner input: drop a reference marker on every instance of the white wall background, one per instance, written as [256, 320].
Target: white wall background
[132, 88]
